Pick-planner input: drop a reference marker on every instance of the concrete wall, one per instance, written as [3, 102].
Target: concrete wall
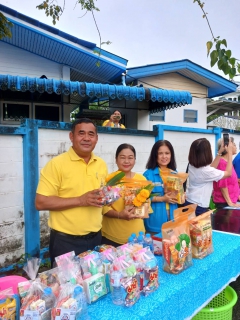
[11, 199]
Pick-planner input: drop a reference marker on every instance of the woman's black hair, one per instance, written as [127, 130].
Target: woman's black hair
[125, 146]
[152, 161]
[200, 153]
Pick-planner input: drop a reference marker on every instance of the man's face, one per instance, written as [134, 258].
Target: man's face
[84, 139]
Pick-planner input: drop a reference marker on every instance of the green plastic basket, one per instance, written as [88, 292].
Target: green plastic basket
[220, 308]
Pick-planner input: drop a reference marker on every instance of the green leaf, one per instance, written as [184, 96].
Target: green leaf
[232, 61]
[225, 68]
[228, 53]
[238, 67]
[209, 47]
[221, 53]
[218, 45]
[214, 57]
[116, 179]
[220, 64]
[232, 72]
[224, 42]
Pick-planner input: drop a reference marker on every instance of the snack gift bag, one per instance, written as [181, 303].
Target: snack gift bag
[51, 278]
[136, 193]
[32, 306]
[94, 282]
[66, 304]
[147, 270]
[177, 252]
[111, 192]
[107, 254]
[173, 183]
[69, 268]
[123, 269]
[201, 235]
[187, 210]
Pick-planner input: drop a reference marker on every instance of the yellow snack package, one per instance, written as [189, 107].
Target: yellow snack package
[174, 184]
[201, 235]
[8, 309]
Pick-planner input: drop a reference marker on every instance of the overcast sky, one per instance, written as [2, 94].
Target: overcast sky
[148, 31]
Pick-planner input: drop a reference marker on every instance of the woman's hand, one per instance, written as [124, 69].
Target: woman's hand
[236, 205]
[112, 118]
[230, 147]
[128, 213]
[168, 198]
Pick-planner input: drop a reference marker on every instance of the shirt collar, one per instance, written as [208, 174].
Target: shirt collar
[75, 157]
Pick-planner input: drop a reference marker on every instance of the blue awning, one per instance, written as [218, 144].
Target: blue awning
[165, 99]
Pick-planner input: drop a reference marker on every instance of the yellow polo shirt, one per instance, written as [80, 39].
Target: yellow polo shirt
[112, 125]
[66, 176]
[119, 230]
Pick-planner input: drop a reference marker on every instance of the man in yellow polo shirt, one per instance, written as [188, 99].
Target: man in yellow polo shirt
[69, 188]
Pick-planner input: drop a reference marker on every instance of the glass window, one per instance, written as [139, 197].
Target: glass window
[190, 116]
[15, 111]
[158, 116]
[44, 112]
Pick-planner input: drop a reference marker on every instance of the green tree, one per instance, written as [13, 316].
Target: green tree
[5, 27]
[217, 48]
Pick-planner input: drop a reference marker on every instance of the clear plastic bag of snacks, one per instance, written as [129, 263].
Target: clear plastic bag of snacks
[176, 245]
[107, 254]
[94, 280]
[201, 235]
[66, 305]
[52, 278]
[108, 194]
[111, 192]
[32, 306]
[9, 305]
[125, 265]
[131, 288]
[90, 263]
[69, 267]
[147, 270]
[124, 276]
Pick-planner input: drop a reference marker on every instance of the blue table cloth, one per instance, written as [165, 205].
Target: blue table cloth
[180, 297]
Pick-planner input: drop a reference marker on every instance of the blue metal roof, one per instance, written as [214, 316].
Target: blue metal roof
[60, 47]
[216, 84]
[167, 98]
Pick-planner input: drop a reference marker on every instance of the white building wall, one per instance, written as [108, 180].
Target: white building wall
[19, 62]
[175, 117]
[182, 141]
[11, 199]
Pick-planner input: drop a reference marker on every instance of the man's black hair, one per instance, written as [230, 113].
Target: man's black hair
[82, 120]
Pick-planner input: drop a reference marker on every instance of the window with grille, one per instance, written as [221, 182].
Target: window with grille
[190, 116]
[158, 116]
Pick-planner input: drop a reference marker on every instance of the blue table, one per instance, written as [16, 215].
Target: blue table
[180, 297]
